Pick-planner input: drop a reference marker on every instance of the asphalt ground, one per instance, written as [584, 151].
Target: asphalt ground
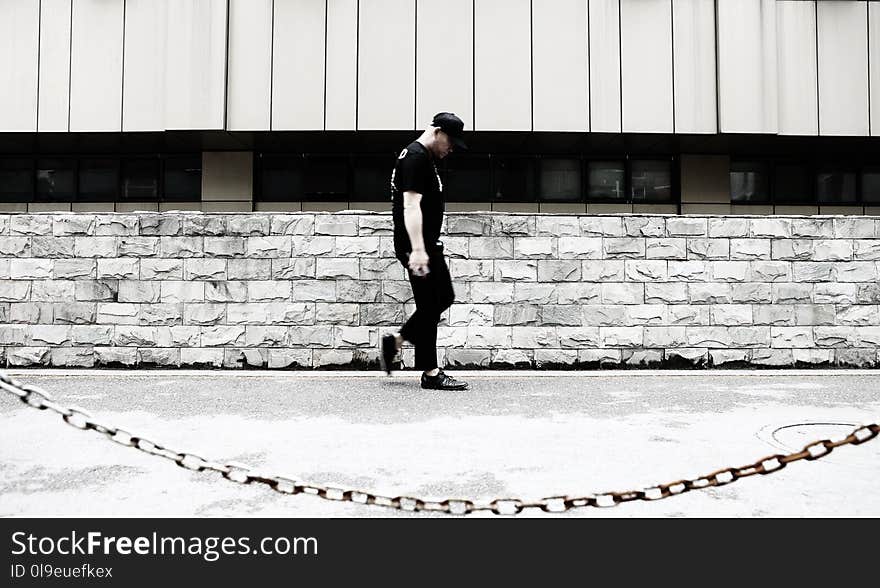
[513, 434]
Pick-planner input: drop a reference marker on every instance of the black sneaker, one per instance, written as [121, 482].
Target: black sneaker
[442, 381]
[389, 350]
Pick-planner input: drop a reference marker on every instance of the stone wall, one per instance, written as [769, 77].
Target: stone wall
[317, 290]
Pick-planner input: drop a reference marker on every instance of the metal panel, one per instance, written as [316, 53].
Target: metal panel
[796, 39]
[560, 58]
[195, 86]
[646, 65]
[54, 98]
[502, 65]
[874, 60]
[342, 42]
[605, 66]
[444, 60]
[298, 65]
[386, 64]
[96, 65]
[19, 48]
[143, 88]
[747, 66]
[843, 63]
[696, 104]
[248, 98]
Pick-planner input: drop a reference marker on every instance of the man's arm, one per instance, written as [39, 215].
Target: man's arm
[412, 219]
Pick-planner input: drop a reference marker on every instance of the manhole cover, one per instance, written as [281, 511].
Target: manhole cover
[792, 437]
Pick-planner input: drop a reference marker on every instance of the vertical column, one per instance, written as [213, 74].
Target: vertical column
[605, 66]
[444, 60]
[342, 65]
[19, 48]
[195, 90]
[143, 89]
[798, 94]
[298, 65]
[386, 64]
[96, 65]
[747, 83]
[843, 67]
[561, 66]
[502, 65]
[646, 65]
[694, 72]
[249, 83]
[54, 98]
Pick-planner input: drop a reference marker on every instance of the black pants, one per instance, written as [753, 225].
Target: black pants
[433, 294]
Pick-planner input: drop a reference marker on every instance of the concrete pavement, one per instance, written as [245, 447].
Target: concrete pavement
[515, 434]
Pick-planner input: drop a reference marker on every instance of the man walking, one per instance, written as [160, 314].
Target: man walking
[417, 209]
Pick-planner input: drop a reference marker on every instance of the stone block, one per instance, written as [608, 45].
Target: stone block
[336, 224]
[250, 269]
[535, 247]
[203, 225]
[566, 293]
[608, 226]
[624, 248]
[300, 224]
[750, 249]
[643, 226]
[491, 247]
[296, 268]
[225, 291]
[516, 314]
[557, 271]
[161, 269]
[138, 246]
[248, 225]
[625, 337]
[357, 247]
[674, 248]
[708, 248]
[181, 247]
[225, 246]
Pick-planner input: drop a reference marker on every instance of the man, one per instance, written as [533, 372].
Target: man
[417, 208]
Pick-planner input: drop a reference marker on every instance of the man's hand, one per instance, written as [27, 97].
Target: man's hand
[418, 262]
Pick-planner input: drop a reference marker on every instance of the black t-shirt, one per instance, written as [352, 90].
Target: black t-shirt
[415, 170]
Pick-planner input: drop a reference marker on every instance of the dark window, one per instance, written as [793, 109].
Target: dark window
[140, 179]
[326, 177]
[281, 177]
[56, 180]
[98, 179]
[651, 181]
[791, 184]
[183, 178]
[514, 179]
[871, 184]
[607, 180]
[467, 179]
[836, 187]
[749, 182]
[16, 180]
[561, 180]
[372, 178]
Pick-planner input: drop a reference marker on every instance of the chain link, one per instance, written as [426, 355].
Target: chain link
[245, 474]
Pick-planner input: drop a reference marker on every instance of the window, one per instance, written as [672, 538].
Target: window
[651, 181]
[56, 180]
[607, 180]
[871, 184]
[513, 179]
[140, 179]
[791, 184]
[468, 179]
[836, 187]
[183, 178]
[16, 180]
[372, 178]
[281, 177]
[326, 177]
[560, 180]
[98, 179]
[749, 182]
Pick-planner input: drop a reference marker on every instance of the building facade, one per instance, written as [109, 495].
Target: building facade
[630, 160]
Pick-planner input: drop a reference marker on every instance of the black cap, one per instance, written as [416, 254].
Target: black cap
[452, 126]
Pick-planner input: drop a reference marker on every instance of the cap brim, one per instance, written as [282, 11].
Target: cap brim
[459, 143]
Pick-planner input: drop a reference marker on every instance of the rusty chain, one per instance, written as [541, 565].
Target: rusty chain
[244, 474]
